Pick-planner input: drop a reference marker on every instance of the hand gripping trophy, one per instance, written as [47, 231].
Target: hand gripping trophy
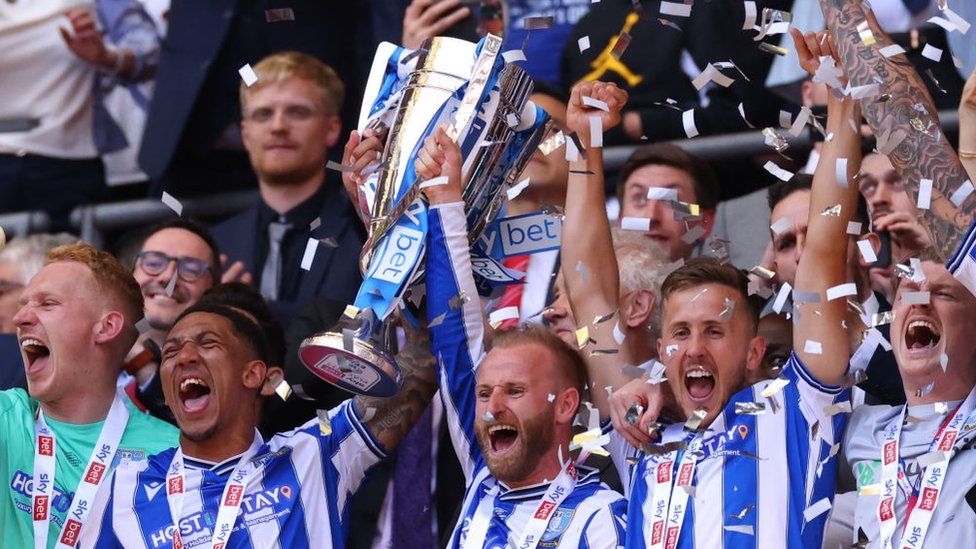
[484, 102]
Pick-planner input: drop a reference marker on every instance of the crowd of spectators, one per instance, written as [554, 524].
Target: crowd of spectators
[814, 300]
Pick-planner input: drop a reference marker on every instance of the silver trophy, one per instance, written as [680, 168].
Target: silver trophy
[485, 103]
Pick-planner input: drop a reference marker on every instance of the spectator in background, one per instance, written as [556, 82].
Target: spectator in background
[177, 263]
[547, 174]
[790, 200]
[423, 19]
[19, 262]
[541, 46]
[192, 142]
[54, 65]
[290, 120]
[668, 167]
[664, 54]
[893, 216]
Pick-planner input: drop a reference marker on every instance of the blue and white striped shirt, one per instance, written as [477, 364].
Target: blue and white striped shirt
[593, 515]
[298, 497]
[758, 474]
[962, 264]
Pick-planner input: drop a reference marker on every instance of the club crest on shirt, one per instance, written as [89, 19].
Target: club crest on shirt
[560, 521]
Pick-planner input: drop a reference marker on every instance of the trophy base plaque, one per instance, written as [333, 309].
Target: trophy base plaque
[365, 369]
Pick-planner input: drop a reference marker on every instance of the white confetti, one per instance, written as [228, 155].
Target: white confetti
[962, 193]
[773, 168]
[315, 224]
[785, 119]
[247, 75]
[944, 23]
[595, 103]
[596, 132]
[662, 193]
[750, 20]
[309, 254]
[892, 50]
[924, 194]
[864, 92]
[916, 298]
[780, 300]
[143, 325]
[959, 22]
[774, 387]
[434, 181]
[511, 56]
[551, 397]
[843, 407]
[618, 334]
[173, 203]
[944, 361]
[172, 285]
[781, 225]
[711, 74]
[841, 290]
[932, 52]
[572, 153]
[742, 113]
[867, 251]
[816, 510]
[498, 316]
[688, 120]
[635, 224]
[517, 189]
[937, 456]
[584, 43]
[801, 121]
[840, 172]
[813, 347]
[746, 529]
[655, 371]
[675, 8]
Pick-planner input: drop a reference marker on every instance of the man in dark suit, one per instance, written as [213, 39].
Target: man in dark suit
[290, 120]
[191, 144]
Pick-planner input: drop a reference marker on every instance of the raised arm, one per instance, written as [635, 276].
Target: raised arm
[453, 307]
[967, 126]
[589, 265]
[819, 335]
[390, 419]
[924, 153]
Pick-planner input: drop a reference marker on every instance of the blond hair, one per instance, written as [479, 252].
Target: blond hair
[643, 265]
[111, 278]
[283, 65]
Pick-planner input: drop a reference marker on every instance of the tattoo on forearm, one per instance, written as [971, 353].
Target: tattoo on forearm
[392, 418]
[924, 153]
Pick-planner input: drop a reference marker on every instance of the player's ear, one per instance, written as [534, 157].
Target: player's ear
[566, 403]
[254, 375]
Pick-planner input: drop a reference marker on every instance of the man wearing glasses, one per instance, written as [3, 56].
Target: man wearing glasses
[290, 118]
[178, 262]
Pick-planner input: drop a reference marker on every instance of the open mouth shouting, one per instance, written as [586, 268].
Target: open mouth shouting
[194, 394]
[700, 384]
[36, 353]
[502, 438]
[921, 337]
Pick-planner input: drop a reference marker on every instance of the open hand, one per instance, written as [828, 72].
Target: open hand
[810, 47]
[578, 113]
[426, 18]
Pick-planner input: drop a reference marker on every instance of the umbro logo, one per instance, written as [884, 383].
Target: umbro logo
[152, 489]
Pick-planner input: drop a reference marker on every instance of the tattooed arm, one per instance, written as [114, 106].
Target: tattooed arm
[924, 153]
[393, 417]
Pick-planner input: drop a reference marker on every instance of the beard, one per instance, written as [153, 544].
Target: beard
[535, 438]
[293, 176]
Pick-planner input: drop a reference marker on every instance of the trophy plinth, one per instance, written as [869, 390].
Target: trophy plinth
[366, 369]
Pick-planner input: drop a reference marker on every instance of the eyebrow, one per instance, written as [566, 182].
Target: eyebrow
[197, 337]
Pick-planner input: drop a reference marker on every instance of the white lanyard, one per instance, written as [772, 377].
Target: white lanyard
[230, 500]
[557, 492]
[478, 529]
[670, 495]
[559, 489]
[921, 505]
[45, 446]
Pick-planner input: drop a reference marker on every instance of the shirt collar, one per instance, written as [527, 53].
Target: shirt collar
[586, 474]
[301, 216]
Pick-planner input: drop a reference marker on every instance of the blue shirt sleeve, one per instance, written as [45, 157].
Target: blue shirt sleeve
[456, 327]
